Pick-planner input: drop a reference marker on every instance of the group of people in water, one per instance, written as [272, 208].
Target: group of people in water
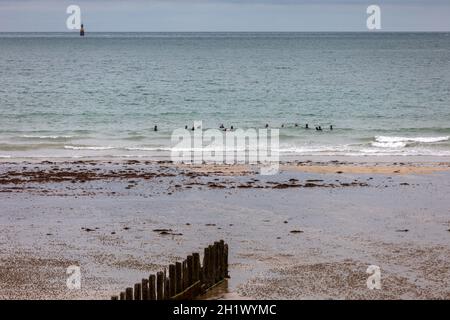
[223, 128]
[318, 128]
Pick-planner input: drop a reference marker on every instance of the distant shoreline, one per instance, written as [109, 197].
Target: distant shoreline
[228, 32]
[284, 161]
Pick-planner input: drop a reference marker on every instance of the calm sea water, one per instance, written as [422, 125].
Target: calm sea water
[101, 95]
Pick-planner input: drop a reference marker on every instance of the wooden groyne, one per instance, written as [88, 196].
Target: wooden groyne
[184, 280]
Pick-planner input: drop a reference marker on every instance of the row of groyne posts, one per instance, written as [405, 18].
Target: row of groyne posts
[185, 280]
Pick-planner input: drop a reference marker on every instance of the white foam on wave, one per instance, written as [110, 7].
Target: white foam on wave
[149, 149]
[394, 149]
[391, 142]
[391, 145]
[87, 148]
[317, 149]
[387, 139]
[45, 137]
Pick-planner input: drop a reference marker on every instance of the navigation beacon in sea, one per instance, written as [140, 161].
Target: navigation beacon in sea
[82, 31]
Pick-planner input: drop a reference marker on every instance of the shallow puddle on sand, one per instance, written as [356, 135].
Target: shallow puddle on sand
[221, 292]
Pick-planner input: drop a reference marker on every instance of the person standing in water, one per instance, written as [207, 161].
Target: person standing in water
[82, 31]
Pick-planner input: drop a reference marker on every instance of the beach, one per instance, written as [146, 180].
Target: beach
[90, 128]
[309, 231]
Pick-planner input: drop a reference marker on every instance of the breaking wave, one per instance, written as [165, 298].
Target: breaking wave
[401, 142]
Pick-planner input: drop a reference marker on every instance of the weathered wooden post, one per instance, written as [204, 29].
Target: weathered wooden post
[114, 298]
[160, 286]
[166, 286]
[211, 266]
[185, 276]
[122, 295]
[205, 268]
[151, 287]
[196, 269]
[173, 281]
[137, 291]
[190, 269]
[179, 276]
[145, 289]
[218, 262]
[129, 294]
[225, 248]
[215, 262]
[220, 258]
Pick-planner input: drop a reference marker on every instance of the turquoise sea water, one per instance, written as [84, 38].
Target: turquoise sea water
[101, 95]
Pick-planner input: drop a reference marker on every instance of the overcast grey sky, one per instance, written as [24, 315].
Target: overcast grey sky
[225, 15]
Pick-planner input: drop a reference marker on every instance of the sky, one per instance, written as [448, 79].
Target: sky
[224, 15]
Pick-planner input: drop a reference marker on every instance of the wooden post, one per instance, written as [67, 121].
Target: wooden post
[160, 286]
[218, 263]
[166, 288]
[122, 295]
[211, 266]
[190, 270]
[185, 277]
[145, 289]
[221, 262]
[179, 276]
[151, 287]
[173, 281]
[225, 247]
[137, 291]
[196, 269]
[205, 269]
[129, 294]
[114, 298]
[215, 254]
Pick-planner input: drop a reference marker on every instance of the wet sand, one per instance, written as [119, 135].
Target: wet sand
[394, 168]
[310, 231]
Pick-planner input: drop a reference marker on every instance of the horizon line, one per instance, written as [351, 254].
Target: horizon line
[243, 31]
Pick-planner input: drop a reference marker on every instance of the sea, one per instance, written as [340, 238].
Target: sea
[101, 95]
